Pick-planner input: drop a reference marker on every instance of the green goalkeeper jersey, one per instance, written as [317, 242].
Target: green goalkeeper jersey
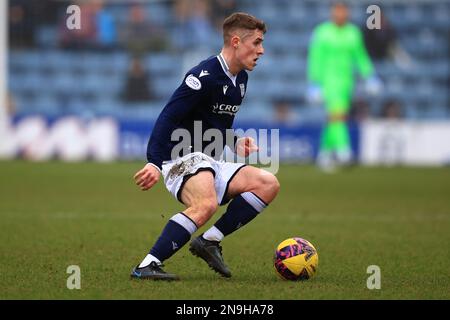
[334, 54]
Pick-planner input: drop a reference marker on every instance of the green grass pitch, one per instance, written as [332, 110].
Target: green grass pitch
[54, 215]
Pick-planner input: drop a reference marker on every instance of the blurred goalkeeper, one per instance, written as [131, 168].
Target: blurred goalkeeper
[210, 94]
[336, 48]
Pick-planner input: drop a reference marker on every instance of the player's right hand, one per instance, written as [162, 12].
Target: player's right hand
[147, 177]
[245, 146]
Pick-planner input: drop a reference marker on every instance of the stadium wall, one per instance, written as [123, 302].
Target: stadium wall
[71, 138]
[382, 142]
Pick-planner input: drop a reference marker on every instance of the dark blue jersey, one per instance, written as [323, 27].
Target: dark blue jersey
[209, 93]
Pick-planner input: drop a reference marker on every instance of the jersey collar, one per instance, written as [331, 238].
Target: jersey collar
[225, 68]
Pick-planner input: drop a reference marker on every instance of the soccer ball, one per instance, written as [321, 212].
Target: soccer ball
[296, 259]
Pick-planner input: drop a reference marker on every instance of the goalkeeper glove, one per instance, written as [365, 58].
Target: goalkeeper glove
[313, 94]
[373, 85]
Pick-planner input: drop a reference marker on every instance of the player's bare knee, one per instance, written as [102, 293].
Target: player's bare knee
[268, 186]
[273, 184]
[210, 207]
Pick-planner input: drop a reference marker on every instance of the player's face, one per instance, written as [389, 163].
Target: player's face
[340, 14]
[249, 50]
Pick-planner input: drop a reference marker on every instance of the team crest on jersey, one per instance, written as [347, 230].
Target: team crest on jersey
[242, 86]
[193, 82]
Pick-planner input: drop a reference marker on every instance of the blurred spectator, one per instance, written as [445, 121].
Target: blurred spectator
[25, 17]
[98, 28]
[193, 31]
[21, 24]
[392, 110]
[193, 24]
[379, 42]
[382, 44]
[106, 33]
[85, 37]
[220, 10]
[137, 85]
[359, 111]
[140, 35]
[284, 113]
[48, 12]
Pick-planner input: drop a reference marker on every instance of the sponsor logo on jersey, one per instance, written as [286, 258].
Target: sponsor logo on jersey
[193, 82]
[225, 109]
[204, 73]
[242, 86]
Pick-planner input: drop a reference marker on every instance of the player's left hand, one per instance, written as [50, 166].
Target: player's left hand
[373, 85]
[314, 95]
[246, 146]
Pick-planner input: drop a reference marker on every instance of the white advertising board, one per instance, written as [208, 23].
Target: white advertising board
[405, 142]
